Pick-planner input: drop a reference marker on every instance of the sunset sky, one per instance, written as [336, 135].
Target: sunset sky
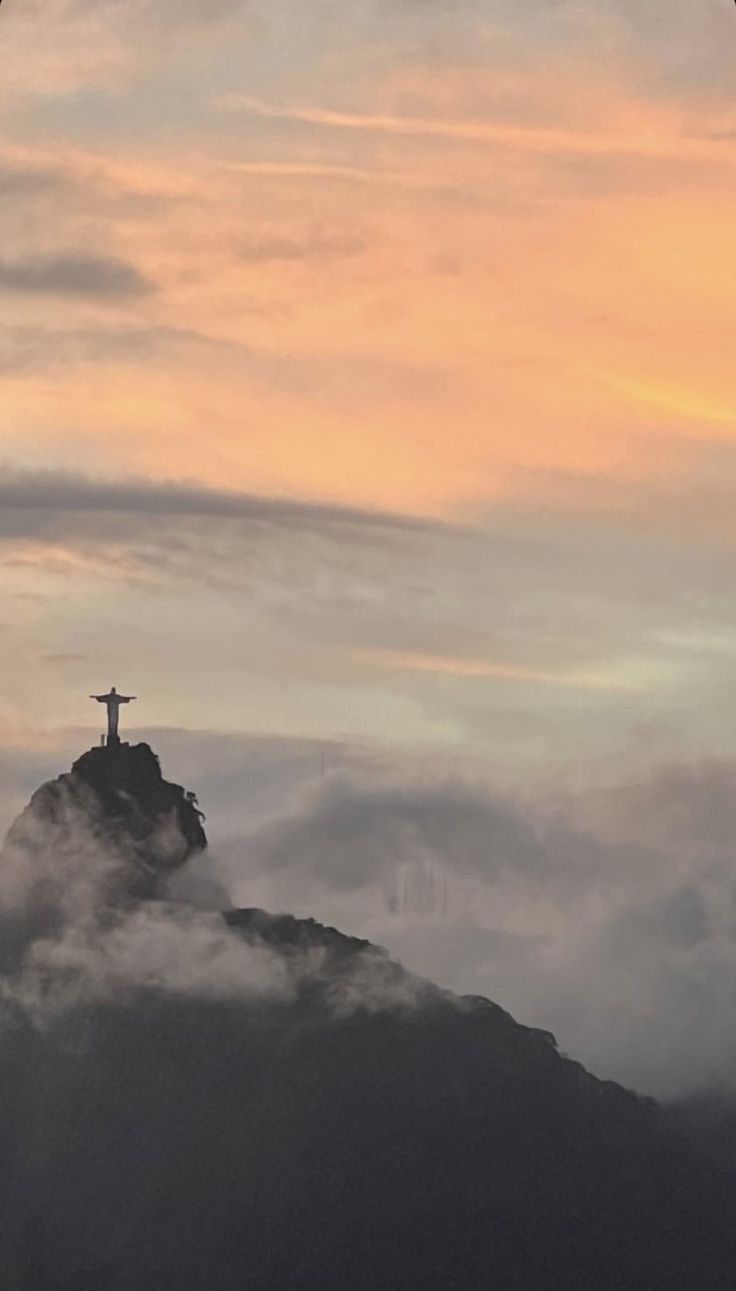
[368, 406]
[367, 371]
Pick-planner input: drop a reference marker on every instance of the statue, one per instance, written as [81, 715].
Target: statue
[113, 702]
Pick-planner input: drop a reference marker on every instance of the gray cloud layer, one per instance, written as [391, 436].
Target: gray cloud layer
[340, 597]
[31, 495]
[314, 246]
[21, 180]
[609, 918]
[73, 274]
[72, 935]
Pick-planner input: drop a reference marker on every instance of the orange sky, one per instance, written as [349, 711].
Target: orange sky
[450, 264]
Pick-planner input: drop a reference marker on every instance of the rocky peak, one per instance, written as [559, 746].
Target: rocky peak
[162, 819]
[112, 818]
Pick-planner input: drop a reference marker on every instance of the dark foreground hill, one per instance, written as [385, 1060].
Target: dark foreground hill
[198, 1103]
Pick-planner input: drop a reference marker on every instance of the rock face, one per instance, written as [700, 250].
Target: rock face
[287, 1109]
[98, 838]
[115, 799]
[159, 818]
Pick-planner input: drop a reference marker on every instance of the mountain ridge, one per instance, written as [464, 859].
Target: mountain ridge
[197, 1101]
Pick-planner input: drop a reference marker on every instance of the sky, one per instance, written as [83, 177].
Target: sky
[367, 402]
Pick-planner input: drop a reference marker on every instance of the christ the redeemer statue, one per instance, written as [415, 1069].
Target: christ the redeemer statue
[113, 702]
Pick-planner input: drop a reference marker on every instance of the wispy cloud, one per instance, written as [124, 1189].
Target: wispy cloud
[645, 142]
[63, 658]
[606, 915]
[23, 179]
[66, 493]
[72, 273]
[315, 245]
[672, 397]
[459, 666]
[421, 266]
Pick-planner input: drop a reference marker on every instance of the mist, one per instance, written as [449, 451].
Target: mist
[607, 916]
[76, 933]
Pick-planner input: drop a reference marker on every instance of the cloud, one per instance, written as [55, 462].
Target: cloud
[315, 246]
[462, 666]
[27, 351]
[29, 499]
[544, 140]
[62, 46]
[351, 836]
[63, 658]
[606, 916]
[76, 932]
[73, 274]
[555, 633]
[167, 948]
[24, 179]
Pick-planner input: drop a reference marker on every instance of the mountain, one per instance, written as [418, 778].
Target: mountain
[194, 1101]
[120, 799]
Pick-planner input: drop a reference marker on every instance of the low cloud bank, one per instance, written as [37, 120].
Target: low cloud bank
[75, 932]
[607, 917]
[73, 274]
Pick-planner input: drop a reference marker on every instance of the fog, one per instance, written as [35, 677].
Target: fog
[75, 930]
[606, 915]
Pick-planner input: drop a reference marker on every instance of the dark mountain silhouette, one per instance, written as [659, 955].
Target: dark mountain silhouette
[115, 801]
[284, 1108]
[135, 798]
